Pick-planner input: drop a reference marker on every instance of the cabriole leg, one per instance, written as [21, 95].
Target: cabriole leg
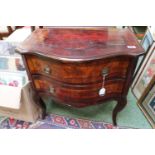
[120, 105]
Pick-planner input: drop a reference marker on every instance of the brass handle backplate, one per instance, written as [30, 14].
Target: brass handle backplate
[51, 89]
[47, 70]
[105, 71]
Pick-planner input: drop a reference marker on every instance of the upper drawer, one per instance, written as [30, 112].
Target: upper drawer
[79, 72]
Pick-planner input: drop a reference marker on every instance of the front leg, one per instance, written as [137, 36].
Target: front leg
[120, 105]
[43, 106]
[39, 101]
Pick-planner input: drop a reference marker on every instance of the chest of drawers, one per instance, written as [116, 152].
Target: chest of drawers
[80, 67]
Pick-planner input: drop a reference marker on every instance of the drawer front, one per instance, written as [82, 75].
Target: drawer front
[75, 93]
[79, 73]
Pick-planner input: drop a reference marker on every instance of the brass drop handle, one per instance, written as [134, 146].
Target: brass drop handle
[102, 91]
[47, 70]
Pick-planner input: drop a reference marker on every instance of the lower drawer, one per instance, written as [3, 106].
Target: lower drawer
[76, 93]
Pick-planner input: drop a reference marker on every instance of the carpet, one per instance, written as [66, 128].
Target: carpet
[53, 121]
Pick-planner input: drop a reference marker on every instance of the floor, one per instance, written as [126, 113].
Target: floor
[130, 116]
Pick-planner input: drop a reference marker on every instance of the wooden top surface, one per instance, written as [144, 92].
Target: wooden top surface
[87, 43]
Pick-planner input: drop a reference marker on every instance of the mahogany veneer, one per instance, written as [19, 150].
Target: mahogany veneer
[73, 64]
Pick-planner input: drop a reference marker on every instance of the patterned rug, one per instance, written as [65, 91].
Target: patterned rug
[53, 121]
